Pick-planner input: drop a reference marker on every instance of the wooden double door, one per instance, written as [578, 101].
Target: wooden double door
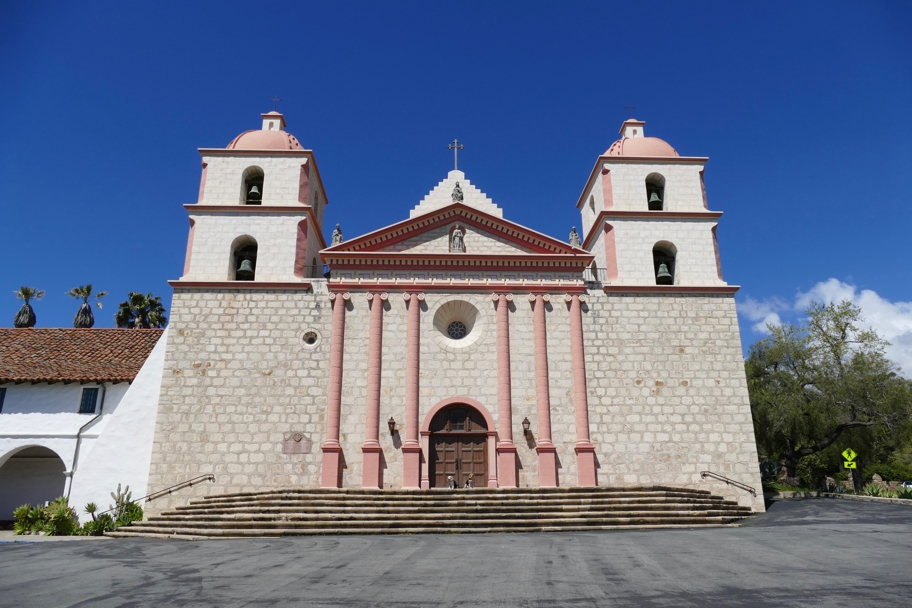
[458, 442]
[459, 456]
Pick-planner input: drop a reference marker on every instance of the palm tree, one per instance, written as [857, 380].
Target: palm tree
[84, 318]
[140, 311]
[26, 316]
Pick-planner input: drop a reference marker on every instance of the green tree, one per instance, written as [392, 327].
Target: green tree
[84, 317]
[26, 316]
[812, 383]
[140, 311]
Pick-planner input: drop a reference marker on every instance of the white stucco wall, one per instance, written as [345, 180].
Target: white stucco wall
[121, 454]
[683, 190]
[695, 261]
[442, 196]
[281, 182]
[46, 415]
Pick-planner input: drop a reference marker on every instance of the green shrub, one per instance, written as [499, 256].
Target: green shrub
[888, 471]
[904, 493]
[875, 490]
[60, 519]
[22, 519]
[98, 526]
[131, 512]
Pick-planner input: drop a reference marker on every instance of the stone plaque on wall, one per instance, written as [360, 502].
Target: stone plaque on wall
[296, 443]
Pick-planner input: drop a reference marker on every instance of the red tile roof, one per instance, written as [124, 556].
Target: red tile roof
[74, 355]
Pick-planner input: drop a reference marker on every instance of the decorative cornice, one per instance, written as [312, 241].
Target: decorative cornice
[233, 152]
[672, 289]
[492, 286]
[243, 285]
[296, 209]
[506, 229]
[611, 214]
[449, 261]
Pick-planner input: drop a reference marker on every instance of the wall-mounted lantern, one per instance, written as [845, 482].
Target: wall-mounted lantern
[526, 426]
[391, 423]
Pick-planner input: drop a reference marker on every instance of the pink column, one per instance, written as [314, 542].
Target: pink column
[371, 469]
[411, 449]
[332, 452]
[506, 450]
[547, 453]
[585, 451]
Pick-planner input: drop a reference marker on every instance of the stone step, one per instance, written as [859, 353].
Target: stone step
[446, 501]
[467, 518]
[367, 511]
[502, 493]
[440, 527]
[449, 509]
[205, 535]
[433, 491]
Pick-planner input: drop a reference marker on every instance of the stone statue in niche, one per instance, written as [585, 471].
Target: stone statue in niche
[457, 194]
[457, 244]
[337, 236]
[574, 238]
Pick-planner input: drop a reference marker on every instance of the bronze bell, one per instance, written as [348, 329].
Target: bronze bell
[663, 277]
[655, 202]
[254, 192]
[245, 272]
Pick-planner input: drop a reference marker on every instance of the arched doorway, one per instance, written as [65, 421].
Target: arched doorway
[33, 475]
[458, 446]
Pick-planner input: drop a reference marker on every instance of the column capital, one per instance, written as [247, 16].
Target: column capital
[569, 297]
[507, 296]
[408, 296]
[345, 296]
[383, 296]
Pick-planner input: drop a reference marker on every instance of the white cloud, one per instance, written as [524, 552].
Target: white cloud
[762, 312]
[891, 320]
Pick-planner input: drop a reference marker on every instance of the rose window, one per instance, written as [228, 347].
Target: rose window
[457, 330]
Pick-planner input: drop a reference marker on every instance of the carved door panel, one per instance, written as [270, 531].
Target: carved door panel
[458, 455]
[473, 460]
[444, 457]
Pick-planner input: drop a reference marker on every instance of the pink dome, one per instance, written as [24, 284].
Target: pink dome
[265, 140]
[641, 146]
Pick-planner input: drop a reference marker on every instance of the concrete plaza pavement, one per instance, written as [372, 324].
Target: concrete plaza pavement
[800, 553]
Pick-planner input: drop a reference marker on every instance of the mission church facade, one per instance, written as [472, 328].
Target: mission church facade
[454, 343]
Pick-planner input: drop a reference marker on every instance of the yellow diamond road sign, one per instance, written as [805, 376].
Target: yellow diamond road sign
[851, 465]
[849, 455]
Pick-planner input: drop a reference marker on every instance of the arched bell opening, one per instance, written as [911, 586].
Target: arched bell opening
[243, 260]
[663, 261]
[30, 475]
[655, 192]
[252, 186]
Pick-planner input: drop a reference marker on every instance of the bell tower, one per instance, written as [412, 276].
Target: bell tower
[259, 215]
[645, 216]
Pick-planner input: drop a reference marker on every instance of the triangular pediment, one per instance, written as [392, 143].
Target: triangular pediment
[431, 234]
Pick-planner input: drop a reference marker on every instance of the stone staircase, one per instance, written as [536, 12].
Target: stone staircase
[321, 511]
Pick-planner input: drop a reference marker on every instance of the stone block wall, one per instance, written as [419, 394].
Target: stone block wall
[665, 380]
[695, 260]
[668, 393]
[683, 190]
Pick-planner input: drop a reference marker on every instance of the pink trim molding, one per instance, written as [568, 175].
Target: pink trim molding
[246, 285]
[547, 453]
[585, 451]
[189, 247]
[304, 185]
[202, 191]
[611, 262]
[331, 476]
[411, 449]
[672, 289]
[287, 209]
[300, 263]
[454, 284]
[716, 250]
[607, 190]
[373, 454]
[507, 463]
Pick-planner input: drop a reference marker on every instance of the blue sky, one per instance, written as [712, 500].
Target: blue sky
[803, 109]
